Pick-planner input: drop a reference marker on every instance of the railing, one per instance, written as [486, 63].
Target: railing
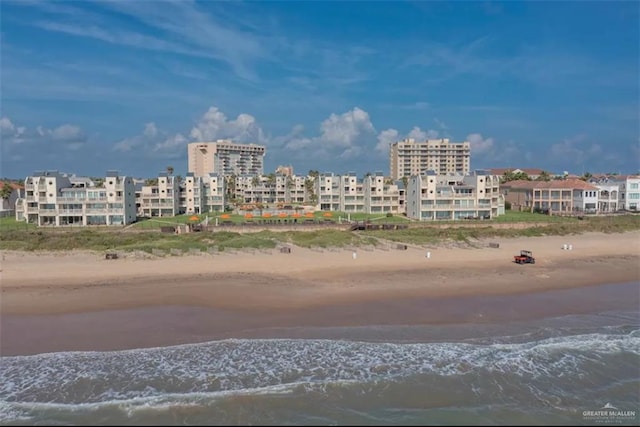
[457, 207]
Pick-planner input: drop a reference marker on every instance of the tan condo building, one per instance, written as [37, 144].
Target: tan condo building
[225, 157]
[410, 157]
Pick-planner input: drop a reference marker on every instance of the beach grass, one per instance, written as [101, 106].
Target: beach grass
[105, 239]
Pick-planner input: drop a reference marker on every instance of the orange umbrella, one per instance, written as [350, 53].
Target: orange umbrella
[282, 215]
[225, 216]
[327, 214]
[266, 215]
[309, 214]
[248, 215]
[194, 218]
[296, 215]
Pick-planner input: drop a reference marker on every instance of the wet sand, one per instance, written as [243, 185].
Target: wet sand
[80, 301]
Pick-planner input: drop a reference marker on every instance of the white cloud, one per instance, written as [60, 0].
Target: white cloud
[207, 35]
[150, 130]
[6, 127]
[385, 139]
[215, 125]
[340, 135]
[66, 135]
[479, 145]
[344, 131]
[389, 136]
[421, 135]
[172, 147]
[576, 149]
[440, 123]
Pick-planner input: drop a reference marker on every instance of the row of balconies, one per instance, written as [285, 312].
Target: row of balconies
[453, 205]
[49, 211]
[156, 203]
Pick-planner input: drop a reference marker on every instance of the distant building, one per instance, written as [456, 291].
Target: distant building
[433, 196]
[564, 196]
[52, 199]
[410, 157]
[629, 195]
[225, 157]
[202, 194]
[161, 198]
[284, 170]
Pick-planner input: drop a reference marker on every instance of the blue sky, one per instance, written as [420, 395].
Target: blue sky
[91, 86]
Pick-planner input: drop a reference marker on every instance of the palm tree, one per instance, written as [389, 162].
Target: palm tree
[6, 190]
[586, 176]
[230, 188]
[405, 181]
[170, 170]
[544, 176]
[309, 186]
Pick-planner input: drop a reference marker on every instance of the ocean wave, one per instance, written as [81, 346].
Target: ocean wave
[251, 366]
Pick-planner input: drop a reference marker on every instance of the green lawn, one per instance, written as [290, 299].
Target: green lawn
[10, 223]
[515, 216]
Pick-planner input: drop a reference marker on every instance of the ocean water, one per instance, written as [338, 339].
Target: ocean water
[548, 371]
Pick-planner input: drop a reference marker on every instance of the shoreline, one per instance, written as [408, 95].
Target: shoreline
[415, 319]
[80, 301]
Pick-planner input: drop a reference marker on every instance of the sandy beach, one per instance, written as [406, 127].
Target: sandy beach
[54, 302]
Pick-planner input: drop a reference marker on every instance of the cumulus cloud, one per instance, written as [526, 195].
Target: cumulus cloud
[385, 139]
[150, 130]
[214, 125]
[69, 136]
[68, 133]
[479, 145]
[421, 135]
[342, 135]
[389, 136]
[6, 127]
[211, 126]
[154, 141]
[172, 146]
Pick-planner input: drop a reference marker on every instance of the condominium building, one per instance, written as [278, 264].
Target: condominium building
[200, 194]
[225, 157]
[161, 198]
[410, 157]
[629, 191]
[52, 199]
[346, 193]
[272, 188]
[383, 195]
[450, 197]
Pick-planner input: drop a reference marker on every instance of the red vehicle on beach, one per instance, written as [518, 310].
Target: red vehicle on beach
[525, 257]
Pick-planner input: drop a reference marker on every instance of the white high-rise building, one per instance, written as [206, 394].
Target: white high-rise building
[410, 157]
[225, 157]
